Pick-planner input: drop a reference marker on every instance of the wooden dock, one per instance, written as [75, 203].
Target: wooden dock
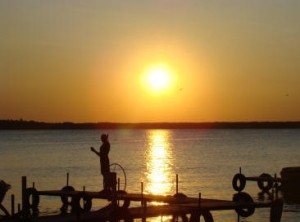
[188, 209]
[179, 205]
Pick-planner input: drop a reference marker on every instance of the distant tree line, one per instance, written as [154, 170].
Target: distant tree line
[34, 125]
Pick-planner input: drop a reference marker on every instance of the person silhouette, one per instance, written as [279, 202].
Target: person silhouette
[104, 160]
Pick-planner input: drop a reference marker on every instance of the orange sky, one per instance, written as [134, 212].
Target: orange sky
[83, 61]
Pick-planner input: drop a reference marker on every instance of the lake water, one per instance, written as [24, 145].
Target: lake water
[205, 160]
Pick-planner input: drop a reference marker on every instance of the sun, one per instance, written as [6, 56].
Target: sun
[157, 78]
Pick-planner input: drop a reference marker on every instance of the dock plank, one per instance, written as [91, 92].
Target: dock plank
[147, 197]
[121, 196]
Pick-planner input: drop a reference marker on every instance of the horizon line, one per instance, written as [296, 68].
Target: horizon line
[31, 124]
[154, 122]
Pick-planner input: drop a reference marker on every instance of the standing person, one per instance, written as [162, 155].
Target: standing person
[104, 160]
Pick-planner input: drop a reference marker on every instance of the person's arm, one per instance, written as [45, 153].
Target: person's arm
[93, 150]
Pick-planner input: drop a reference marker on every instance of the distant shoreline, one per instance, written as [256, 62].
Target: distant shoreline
[34, 125]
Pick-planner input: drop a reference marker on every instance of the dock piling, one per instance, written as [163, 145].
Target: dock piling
[276, 210]
[67, 179]
[199, 200]
[142, 193]
[176, 184]
[24, 187]
[12, 205]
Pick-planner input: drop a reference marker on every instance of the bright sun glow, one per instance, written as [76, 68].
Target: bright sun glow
[158, 78]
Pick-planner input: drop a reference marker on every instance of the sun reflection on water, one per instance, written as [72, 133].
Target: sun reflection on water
[159, 163]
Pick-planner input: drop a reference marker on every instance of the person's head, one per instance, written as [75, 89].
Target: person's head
[104, 137]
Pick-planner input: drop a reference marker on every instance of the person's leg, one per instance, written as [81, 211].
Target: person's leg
[106, 181]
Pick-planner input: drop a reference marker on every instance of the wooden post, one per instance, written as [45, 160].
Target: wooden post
[142, 190]
[276, 184]
[118, 189]
[33, 185]
[143, 203]
[276, 210]
[67, 179]
[240, 170]
[199, 201]
[176, 184]
[24, 187]
[12, 205]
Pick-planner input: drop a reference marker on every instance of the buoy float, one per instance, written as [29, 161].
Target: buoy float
[33, 194]
[244, 198]
[203, 213]
[239, 182]
[64, 198]
[265, 182]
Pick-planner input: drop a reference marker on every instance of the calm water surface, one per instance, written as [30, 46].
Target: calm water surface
[205, 160]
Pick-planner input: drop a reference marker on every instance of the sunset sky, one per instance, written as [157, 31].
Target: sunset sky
[150, 61]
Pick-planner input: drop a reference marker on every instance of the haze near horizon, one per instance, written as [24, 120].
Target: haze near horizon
[150, 61]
